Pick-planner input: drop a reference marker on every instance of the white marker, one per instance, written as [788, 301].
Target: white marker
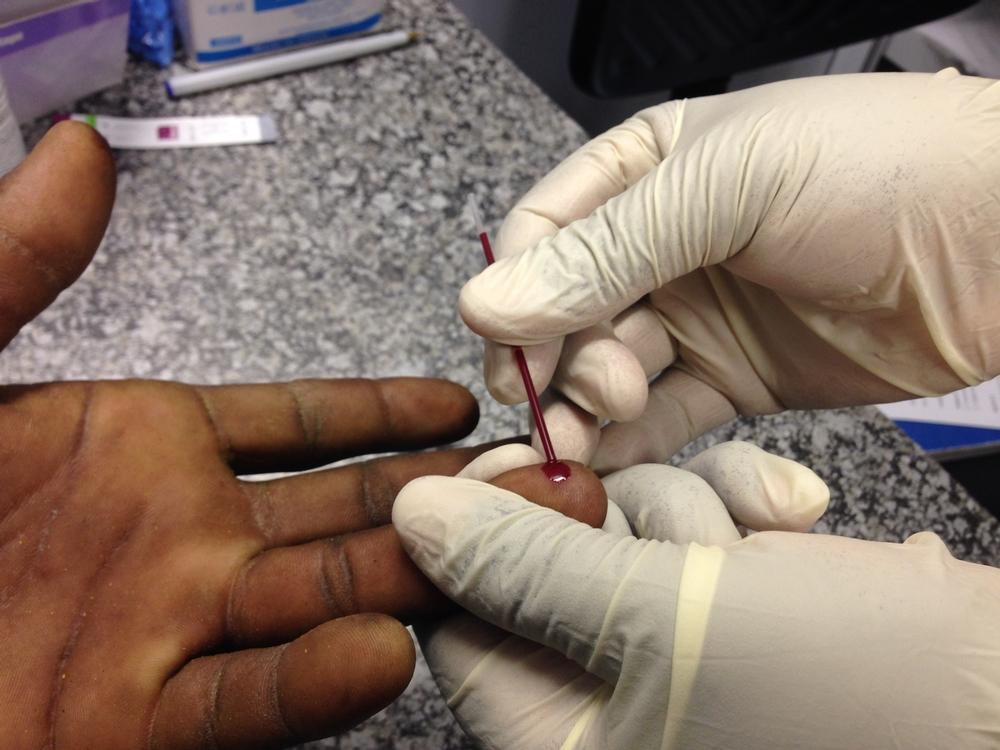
[253, 70]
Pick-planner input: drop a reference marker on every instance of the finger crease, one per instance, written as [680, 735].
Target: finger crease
[214, 689]
[221, 439]
[151, 726]
[235, 595]
[15, 246]
[274, 693]
[371, 507]
[385, 412]
[338, 590]
[260, 500]
[308, 427]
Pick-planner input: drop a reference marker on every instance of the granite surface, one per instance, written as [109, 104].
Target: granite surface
[340, 251]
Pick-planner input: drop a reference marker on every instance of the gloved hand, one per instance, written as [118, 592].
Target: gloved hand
[812, 243]
[691, 637]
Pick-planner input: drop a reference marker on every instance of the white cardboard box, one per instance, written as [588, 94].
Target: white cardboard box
[58, 54]
[219, 31]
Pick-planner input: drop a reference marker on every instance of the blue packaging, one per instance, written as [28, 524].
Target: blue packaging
[151, 31]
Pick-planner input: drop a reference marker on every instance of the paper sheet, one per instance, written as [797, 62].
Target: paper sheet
[969, 407]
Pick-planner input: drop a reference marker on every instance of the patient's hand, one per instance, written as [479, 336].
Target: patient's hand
[148, 596]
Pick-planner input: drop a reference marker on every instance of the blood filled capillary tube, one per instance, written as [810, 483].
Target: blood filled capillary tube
[553, 468]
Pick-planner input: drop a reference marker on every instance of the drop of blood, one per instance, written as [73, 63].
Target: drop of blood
[556, 471]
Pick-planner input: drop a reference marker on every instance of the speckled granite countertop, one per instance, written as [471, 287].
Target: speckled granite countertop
[341, 251]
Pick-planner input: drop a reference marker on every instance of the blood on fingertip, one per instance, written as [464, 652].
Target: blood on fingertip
[556, 471]
[579, 495]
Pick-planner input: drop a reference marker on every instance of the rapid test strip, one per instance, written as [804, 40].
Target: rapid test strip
[181, 132]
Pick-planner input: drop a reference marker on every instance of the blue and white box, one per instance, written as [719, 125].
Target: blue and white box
[220, 31]
[959, 424]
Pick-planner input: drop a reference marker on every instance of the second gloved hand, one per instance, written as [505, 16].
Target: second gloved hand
[691, 637]
[812, 243]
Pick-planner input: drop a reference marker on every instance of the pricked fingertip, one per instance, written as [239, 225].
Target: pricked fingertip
[580, 495]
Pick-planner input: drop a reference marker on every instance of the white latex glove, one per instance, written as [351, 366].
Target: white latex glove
[818, 242]
[689, 637]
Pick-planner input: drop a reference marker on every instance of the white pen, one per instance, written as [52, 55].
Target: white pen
[253, 70]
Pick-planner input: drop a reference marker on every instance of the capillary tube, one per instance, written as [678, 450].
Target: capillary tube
[554, 468]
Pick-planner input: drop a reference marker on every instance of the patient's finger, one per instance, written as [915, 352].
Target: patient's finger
[324, 682]
[54, 209]
[307, 423]
[580, 496]
[301, 508]
[285, 591]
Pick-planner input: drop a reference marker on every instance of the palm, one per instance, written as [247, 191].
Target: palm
[96, 524]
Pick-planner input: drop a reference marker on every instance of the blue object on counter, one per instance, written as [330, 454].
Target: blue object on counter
[958, 439]
[151, 31]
